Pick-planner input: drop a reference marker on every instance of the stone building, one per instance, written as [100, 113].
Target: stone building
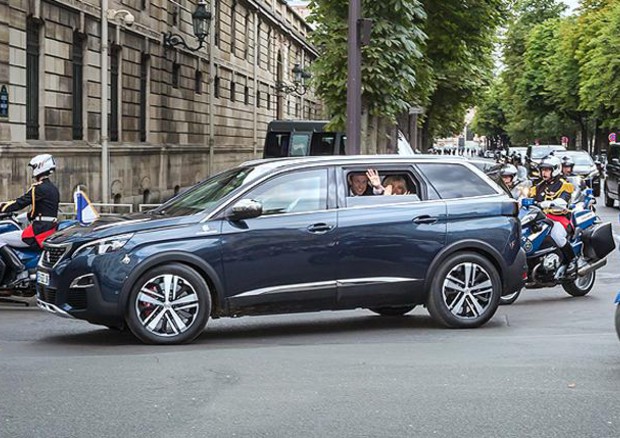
[175, 115]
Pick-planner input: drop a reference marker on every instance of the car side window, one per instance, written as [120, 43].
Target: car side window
[295, 192]
[455, 181]
[403, 185]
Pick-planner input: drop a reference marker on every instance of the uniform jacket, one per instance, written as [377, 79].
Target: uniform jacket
[43, 198]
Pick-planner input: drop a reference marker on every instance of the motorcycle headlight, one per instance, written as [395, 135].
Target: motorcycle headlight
[104, 246]
[528, 218]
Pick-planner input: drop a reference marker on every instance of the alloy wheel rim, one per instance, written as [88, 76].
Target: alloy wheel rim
[584, 282]
[467, 290]
[167, 305]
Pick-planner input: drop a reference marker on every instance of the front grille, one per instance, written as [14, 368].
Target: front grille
[52, 255]
[77, 299]
[47, 294]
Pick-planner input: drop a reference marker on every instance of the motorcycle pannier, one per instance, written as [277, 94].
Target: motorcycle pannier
[598, 241]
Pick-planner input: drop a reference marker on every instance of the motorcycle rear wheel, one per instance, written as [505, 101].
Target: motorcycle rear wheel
[581, 286]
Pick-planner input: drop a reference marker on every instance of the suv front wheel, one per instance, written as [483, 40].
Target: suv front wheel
[465, 291]
[168, 305]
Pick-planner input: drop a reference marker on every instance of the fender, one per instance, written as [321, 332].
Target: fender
[464, 245]
[203, 268]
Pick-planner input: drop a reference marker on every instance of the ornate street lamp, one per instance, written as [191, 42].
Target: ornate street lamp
[299, 79]
[200, 22]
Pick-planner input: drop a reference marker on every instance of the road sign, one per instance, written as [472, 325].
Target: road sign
[564, 140]
[612, 137]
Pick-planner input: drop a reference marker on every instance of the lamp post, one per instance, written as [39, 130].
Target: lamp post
[200, 22]
[128, 19]
[354, 81]
[299, 78]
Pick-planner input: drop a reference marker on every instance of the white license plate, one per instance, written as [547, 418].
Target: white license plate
[43, 278]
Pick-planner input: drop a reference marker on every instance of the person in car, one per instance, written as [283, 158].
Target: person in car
[365, 183]
[43, 198]
[395, 185]
[553, 193]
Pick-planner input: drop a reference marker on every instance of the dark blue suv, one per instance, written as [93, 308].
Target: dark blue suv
[287, 235]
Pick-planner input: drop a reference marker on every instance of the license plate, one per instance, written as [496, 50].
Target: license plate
[43, 278]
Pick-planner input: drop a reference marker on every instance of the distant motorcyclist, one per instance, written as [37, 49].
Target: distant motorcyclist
[568, 167]
[43, 198]
[553, 193]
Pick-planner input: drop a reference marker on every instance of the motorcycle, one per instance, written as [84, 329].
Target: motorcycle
[23, 289]
[592, 241]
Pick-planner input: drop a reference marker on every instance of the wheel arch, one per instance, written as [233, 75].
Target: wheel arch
[200, 266]
[475, 246]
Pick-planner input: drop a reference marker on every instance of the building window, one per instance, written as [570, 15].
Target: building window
[218, 20]
[258, 44]
[144, 80]
[198, 82]
[247, 36]
[33, 50]
[257, 98]
[268, 101]
[269, 49]
[216, 87]
[246, 92]
[77, 56]
[233, 27]
[233, 96]
[175, 15]
[144, 4]
[296, 109]
[176, 74]
[114, 104]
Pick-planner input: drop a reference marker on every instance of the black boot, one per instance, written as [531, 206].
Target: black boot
[13, 264]
[569, 259]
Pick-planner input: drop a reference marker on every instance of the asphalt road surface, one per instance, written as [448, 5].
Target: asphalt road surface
[546, 366]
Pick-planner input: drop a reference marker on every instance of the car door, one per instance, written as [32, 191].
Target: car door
[386, 243]
[283, 260]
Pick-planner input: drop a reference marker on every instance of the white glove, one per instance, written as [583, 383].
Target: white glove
[545, 204]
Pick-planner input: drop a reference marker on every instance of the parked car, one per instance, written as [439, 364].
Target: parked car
[613, 174]
[282, 236]
[585, 168]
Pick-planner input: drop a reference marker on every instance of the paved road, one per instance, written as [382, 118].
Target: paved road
[547, 366]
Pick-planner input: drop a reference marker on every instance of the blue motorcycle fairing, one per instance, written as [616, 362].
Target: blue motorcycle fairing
[617, 301]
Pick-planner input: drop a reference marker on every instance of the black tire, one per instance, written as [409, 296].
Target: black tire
[173, 324]
[581, 286]
[509, 299]
[442, 294]
[392, 311]
[596, 191]
[608, 201]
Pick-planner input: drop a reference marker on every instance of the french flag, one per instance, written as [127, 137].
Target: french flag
[86, 213]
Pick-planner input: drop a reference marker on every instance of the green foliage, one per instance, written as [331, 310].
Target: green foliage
[490, 119]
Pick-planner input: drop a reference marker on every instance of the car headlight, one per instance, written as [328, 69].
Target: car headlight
[104, 246]
[528, 218]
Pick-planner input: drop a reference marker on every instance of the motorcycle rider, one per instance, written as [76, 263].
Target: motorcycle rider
[43, 198]
[568, 166]
[553, 193]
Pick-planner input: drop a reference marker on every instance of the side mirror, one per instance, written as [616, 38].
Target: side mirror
[245, 209]
[527, 202]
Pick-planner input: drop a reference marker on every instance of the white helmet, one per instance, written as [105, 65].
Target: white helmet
[42, 164]
[553, 163]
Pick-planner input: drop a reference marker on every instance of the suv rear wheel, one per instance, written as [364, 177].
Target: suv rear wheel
[465, 291]
[168, 305]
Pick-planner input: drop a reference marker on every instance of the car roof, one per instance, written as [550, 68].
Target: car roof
[352, 160]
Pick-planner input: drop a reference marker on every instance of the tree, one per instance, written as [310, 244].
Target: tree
[389, 64]
[490, 120]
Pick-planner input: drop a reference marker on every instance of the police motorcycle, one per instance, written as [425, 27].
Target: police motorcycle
[591, 239]
[20, 288]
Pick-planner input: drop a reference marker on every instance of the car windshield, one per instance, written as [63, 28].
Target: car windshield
[539, 152]
[581, 159]
[207, 194]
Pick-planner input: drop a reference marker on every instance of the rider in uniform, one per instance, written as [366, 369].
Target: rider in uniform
[553, 194]
[43, 198]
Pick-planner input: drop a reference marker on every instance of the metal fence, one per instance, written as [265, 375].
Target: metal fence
[67, 209]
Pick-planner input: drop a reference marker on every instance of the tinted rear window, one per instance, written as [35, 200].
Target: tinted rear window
[455, 181]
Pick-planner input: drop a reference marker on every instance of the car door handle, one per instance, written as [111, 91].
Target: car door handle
[425, 219]
[320, 228]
